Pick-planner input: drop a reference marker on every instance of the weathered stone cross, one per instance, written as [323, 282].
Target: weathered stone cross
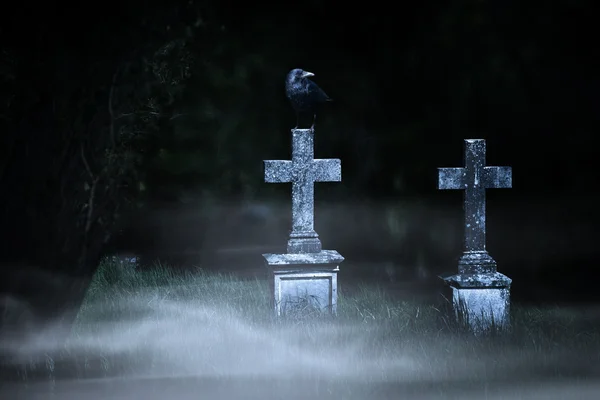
[303, 171]
[474, 178]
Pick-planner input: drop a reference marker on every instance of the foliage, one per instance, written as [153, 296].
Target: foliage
[79, 129]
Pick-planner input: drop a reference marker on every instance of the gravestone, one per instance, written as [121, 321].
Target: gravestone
[480, 294]
[304, 278]
[125, 260]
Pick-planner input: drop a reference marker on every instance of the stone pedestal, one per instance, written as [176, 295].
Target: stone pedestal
[304, 282]
[481, 300]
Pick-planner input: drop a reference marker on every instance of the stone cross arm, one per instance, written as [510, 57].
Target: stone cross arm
[475, 175]
[319, 170]
[493, 178]
[497, 177]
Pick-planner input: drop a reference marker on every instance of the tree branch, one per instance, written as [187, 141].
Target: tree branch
[111, 111]
[85, 162]
[91, 198]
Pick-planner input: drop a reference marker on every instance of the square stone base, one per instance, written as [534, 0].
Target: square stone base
[304, 283]
[481, 301]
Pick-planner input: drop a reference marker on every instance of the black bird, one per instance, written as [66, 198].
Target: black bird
[304, 94]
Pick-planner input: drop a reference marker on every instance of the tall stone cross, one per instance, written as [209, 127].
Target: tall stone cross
[474, 179]
[303, 171]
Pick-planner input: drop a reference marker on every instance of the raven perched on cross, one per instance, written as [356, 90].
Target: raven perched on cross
[304, 94]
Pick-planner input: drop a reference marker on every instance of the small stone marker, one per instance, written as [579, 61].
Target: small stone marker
[306, 276]
[480, 294]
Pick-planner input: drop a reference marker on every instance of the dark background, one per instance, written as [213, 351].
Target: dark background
[141, 128]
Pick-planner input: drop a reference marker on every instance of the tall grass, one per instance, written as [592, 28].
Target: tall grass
[159, 322]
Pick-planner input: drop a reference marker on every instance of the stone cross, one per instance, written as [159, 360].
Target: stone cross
[480, 294]
[303, 171]
[474, 179]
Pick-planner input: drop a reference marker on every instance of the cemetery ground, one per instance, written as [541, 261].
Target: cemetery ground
[156, 334]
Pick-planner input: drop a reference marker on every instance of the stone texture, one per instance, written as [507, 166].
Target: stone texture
[480, 293]
[303, 171]
[483, 309]
[478, 281]
[305, 278]
[474, 179]
[300, 259]
[303, 282]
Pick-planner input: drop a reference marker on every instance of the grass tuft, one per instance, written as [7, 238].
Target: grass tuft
[157, 321]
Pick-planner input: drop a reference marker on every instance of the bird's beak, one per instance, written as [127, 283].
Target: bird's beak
[306, 74]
